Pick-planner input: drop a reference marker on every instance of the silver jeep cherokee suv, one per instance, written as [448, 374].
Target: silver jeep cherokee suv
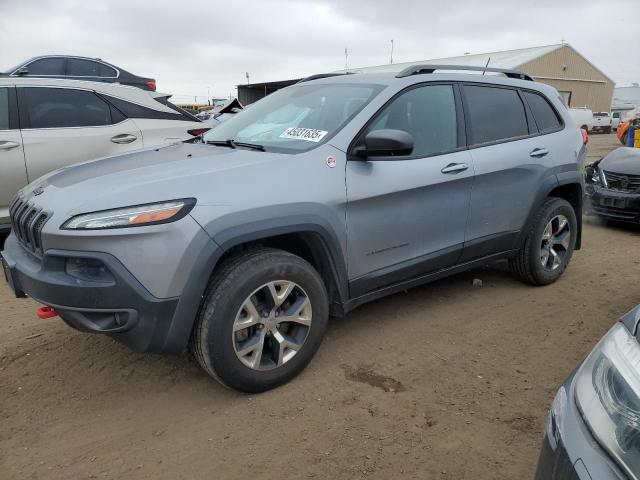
[318, 198]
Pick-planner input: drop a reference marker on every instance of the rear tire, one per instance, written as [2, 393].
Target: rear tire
[549, 244]
[262, 320]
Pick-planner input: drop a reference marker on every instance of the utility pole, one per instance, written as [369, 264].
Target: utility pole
[208, 95]
[391, 61]
[346, 59]
[247, 75]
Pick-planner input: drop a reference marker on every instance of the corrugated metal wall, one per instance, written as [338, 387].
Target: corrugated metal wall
[566, 70]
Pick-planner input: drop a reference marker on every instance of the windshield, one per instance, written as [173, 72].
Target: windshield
[296, 119]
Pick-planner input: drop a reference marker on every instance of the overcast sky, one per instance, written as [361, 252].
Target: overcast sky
[189, 46]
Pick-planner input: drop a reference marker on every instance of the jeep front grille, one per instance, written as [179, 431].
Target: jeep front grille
[27, 220]
[622, 182]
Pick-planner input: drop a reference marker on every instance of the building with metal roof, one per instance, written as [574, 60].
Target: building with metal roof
[580, 82]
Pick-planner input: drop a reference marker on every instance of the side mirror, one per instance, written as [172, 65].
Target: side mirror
[385, 143]
[22, 71]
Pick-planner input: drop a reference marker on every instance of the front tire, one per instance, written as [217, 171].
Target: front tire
[549, 244]
[262, 320]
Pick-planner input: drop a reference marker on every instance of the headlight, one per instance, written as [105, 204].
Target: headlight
[595, 175]
[608, 396]
[135, 216]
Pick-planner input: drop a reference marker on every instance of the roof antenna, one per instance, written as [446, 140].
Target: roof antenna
[488, 60]
[391, 61]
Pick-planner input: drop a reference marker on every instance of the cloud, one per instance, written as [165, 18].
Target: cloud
[192, 45]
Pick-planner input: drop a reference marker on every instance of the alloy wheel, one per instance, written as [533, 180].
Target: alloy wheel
[555, 242]
[272, 325]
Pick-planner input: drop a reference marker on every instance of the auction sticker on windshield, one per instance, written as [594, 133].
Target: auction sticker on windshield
[307, 134]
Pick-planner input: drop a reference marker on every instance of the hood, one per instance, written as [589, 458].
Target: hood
[625, 160]
[175, 171]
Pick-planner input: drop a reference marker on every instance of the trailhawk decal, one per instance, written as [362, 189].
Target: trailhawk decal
[307, 134]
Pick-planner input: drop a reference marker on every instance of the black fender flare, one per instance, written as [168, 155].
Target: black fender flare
[548, 185]
[181, 326]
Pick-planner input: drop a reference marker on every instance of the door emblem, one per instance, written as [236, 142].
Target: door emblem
[331, 161]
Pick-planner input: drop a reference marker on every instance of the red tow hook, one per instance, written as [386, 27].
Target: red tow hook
[46, 312]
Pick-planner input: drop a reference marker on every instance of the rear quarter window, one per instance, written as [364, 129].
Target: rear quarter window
[544, 114]
[495, 114]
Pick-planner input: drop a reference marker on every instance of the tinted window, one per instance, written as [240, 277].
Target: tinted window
[131, 110]
[428, 114]
[544, 114]
[60, 107]
[4, 109]
[77, 67]
[107, 71]
[47, 66]
[495, 114]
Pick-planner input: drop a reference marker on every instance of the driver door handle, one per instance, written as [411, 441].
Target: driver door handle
[8, 145]
[455, 168]
[124, 138]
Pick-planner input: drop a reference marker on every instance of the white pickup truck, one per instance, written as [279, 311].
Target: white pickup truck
[583, 118]
[602, 122]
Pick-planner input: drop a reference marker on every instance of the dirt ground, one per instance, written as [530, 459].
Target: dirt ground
[447, 381]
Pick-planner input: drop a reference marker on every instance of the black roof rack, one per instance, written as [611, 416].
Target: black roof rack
[422, 69]
[322, 75]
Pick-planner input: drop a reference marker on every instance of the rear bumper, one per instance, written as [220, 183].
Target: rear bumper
[613, 205]
[569, 451]
[115, 304]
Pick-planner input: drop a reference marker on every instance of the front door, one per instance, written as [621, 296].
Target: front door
[406, 216]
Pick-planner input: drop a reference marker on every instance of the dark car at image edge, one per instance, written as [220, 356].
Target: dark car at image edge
[593, 427]
[613, 186]
[79, 68]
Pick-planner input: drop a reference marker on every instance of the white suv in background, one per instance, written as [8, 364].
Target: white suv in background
[46, 124]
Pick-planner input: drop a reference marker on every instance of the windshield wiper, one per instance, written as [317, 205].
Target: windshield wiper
[222, 143]
[231, 143]
[253, 146]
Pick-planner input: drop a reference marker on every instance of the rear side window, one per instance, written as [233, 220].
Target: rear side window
[495, 114]
[4, 109]
[428, 114]
[545, 116]
[78, 67]
[60, 107]
[47, 66]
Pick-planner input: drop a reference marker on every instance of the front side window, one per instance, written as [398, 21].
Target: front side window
[61, 107]
[545, 116]
[297, 118]
[4, 109]
[47, 66]
[428, 114]
[495, 114]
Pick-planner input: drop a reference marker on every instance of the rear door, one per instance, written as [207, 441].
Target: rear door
[407, 215]
[63, 126]
[510, 159]
[159, 127]
[13, 174]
